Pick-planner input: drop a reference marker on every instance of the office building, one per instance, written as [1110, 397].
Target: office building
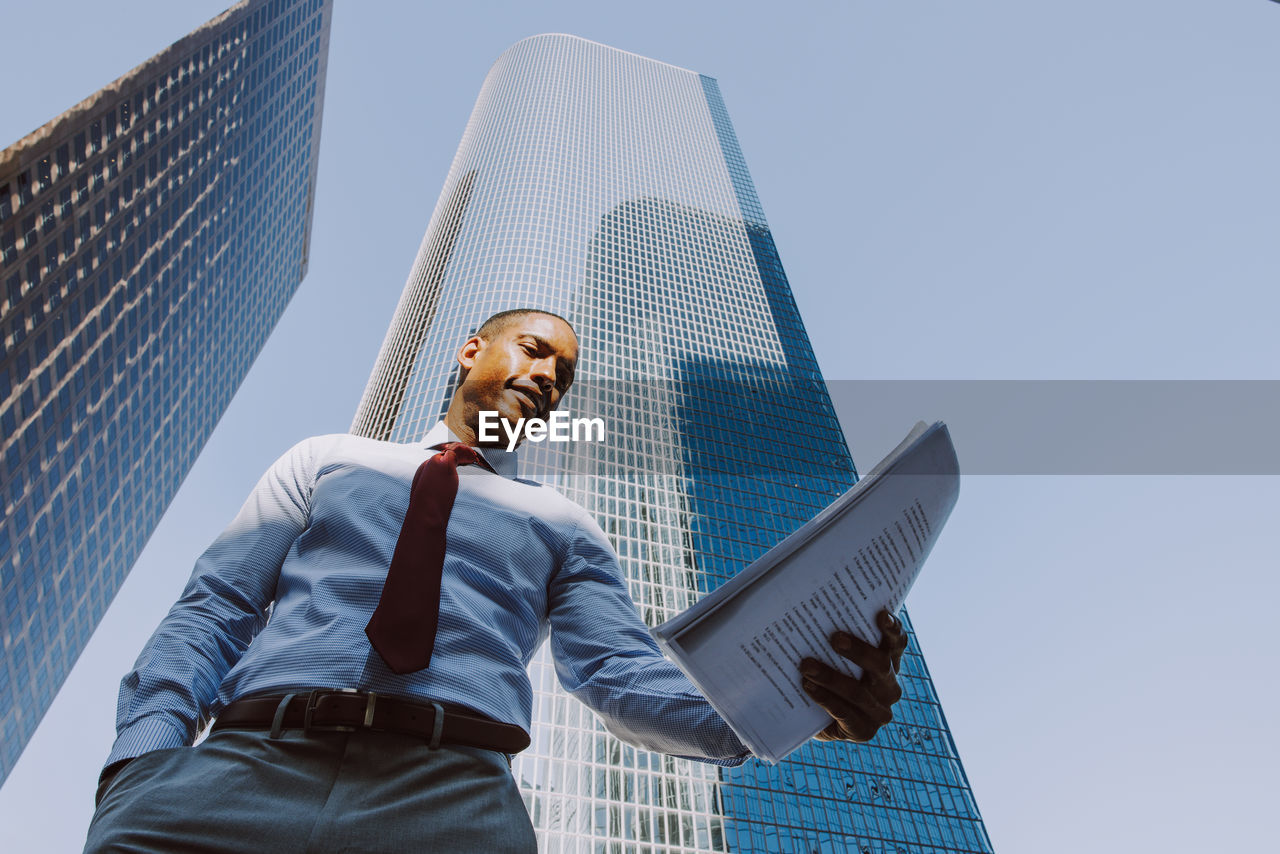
[150, 238]
[610, 188]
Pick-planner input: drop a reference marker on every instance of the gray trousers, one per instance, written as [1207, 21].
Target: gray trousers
[326, 792]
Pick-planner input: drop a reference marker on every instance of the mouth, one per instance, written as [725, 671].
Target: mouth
[534, 398]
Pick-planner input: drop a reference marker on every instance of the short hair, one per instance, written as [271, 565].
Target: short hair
[494, 326]
[497, 323]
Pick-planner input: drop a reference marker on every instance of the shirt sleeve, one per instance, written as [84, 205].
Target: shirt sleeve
[165, 699]
[606, 658]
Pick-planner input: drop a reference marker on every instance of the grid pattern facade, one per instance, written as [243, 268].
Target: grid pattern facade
[150, 237]
[610, 188]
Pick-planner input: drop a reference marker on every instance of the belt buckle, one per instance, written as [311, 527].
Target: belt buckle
[313, 700]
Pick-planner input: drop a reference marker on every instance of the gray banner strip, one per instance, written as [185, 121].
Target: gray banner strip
[1074, 427]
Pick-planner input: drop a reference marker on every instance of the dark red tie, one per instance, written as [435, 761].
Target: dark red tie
[403, 626]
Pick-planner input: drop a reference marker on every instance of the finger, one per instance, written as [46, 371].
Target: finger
[840, 695]
[893, 634]
[875, 662]
[881, 690]
[836, 732]
[893, 637]
[850, 722]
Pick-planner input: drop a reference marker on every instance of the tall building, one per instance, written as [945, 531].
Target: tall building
[150, 237]
[610, 188]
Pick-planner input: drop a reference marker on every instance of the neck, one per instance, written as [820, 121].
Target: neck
[461, 426]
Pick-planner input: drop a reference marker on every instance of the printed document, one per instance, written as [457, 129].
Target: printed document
[742, 643]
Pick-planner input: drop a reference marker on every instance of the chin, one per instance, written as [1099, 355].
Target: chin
[509, 415]
[515, 410]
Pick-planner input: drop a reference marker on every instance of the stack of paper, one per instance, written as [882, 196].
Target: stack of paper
[742, 644]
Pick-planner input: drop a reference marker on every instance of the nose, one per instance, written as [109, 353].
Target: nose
[543, 373]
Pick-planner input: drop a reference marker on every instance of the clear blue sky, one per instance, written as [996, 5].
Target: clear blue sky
[986, 190]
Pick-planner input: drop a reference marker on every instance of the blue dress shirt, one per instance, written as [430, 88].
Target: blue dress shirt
[279, 603]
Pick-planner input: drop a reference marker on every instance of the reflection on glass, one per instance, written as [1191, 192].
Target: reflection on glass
[149, 240]
[609, 188]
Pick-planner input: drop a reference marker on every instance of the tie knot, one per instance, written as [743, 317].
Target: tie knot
[463, 454]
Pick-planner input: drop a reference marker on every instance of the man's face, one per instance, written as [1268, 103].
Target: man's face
[521, 372]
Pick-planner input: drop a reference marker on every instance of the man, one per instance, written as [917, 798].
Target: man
[377, 706]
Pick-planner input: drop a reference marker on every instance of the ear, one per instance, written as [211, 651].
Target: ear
[470, 350]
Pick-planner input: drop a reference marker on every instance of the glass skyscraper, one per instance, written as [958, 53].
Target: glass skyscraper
[610, 188]
[150, 237]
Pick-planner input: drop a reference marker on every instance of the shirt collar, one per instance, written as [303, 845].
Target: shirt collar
[504, 463]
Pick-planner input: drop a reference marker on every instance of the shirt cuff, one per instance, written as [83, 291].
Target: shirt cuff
[148, 733]
[729, 754]
[731, 762]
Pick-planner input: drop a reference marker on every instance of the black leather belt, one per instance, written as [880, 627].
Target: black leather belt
[348, 710]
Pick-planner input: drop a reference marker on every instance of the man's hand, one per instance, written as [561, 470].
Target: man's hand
[859, 706]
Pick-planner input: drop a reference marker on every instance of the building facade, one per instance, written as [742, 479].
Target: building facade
[610, 188]
[150, 238]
